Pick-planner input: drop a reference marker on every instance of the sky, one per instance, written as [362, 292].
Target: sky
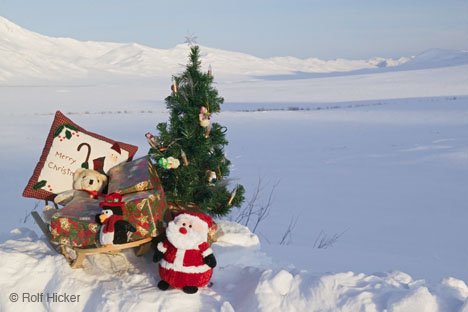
[326, 29]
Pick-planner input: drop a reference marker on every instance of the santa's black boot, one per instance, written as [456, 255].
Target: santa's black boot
[190, 289]
[163, 285]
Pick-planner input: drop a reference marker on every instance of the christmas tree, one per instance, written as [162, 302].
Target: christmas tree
[190, 148]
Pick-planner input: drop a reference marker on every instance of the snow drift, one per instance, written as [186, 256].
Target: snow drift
[245, 280]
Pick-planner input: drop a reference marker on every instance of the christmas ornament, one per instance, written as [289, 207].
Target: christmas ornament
[152, 140]
[186, 259]
[184, 158]
[204, 117]
[189, 184]
[174, 85]
[169, 163]
[114, 230]
[211, 177]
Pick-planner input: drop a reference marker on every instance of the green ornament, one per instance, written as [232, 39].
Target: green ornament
[169, 163]
[163, 162]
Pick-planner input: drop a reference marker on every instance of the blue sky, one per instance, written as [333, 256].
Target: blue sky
[316, 28]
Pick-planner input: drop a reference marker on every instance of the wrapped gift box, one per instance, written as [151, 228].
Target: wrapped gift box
[74, 225]
[130, 177]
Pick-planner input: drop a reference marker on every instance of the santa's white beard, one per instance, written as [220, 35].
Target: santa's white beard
[191, 240]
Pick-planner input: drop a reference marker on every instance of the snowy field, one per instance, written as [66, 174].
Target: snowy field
[390, 175]
[378, 158]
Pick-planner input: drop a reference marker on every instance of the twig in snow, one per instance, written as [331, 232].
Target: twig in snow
[323, 241]
[255, 212]
[287, 236]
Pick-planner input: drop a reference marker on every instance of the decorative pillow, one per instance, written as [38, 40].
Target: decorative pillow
[68, 147]
[130, 177]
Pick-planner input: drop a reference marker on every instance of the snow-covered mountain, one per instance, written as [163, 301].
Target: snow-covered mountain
[29, 56]
[26, 55]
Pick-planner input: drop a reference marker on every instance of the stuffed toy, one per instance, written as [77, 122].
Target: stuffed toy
[90, 181]
[186, 259]
[114, 229]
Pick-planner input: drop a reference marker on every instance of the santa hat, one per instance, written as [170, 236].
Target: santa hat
[112, 200]
[196, 216]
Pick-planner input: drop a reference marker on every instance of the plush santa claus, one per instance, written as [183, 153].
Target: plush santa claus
[187, 260]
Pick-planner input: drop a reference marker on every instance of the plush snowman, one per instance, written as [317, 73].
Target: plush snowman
[186, 259]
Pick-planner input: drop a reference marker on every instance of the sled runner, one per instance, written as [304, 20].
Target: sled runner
[141, 246]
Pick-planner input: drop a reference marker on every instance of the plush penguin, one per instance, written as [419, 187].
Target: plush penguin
[114, 230]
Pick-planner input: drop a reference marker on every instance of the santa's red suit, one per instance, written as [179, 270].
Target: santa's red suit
[182, 268]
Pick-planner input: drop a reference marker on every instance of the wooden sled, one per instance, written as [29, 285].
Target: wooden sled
[75, 255]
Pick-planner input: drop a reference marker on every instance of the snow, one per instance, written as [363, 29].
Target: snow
[379, 157]
[232, 232]
[237, 287]
[25, 55]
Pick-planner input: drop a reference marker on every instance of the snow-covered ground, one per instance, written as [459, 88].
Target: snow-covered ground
[380, 157]
[245, 280]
